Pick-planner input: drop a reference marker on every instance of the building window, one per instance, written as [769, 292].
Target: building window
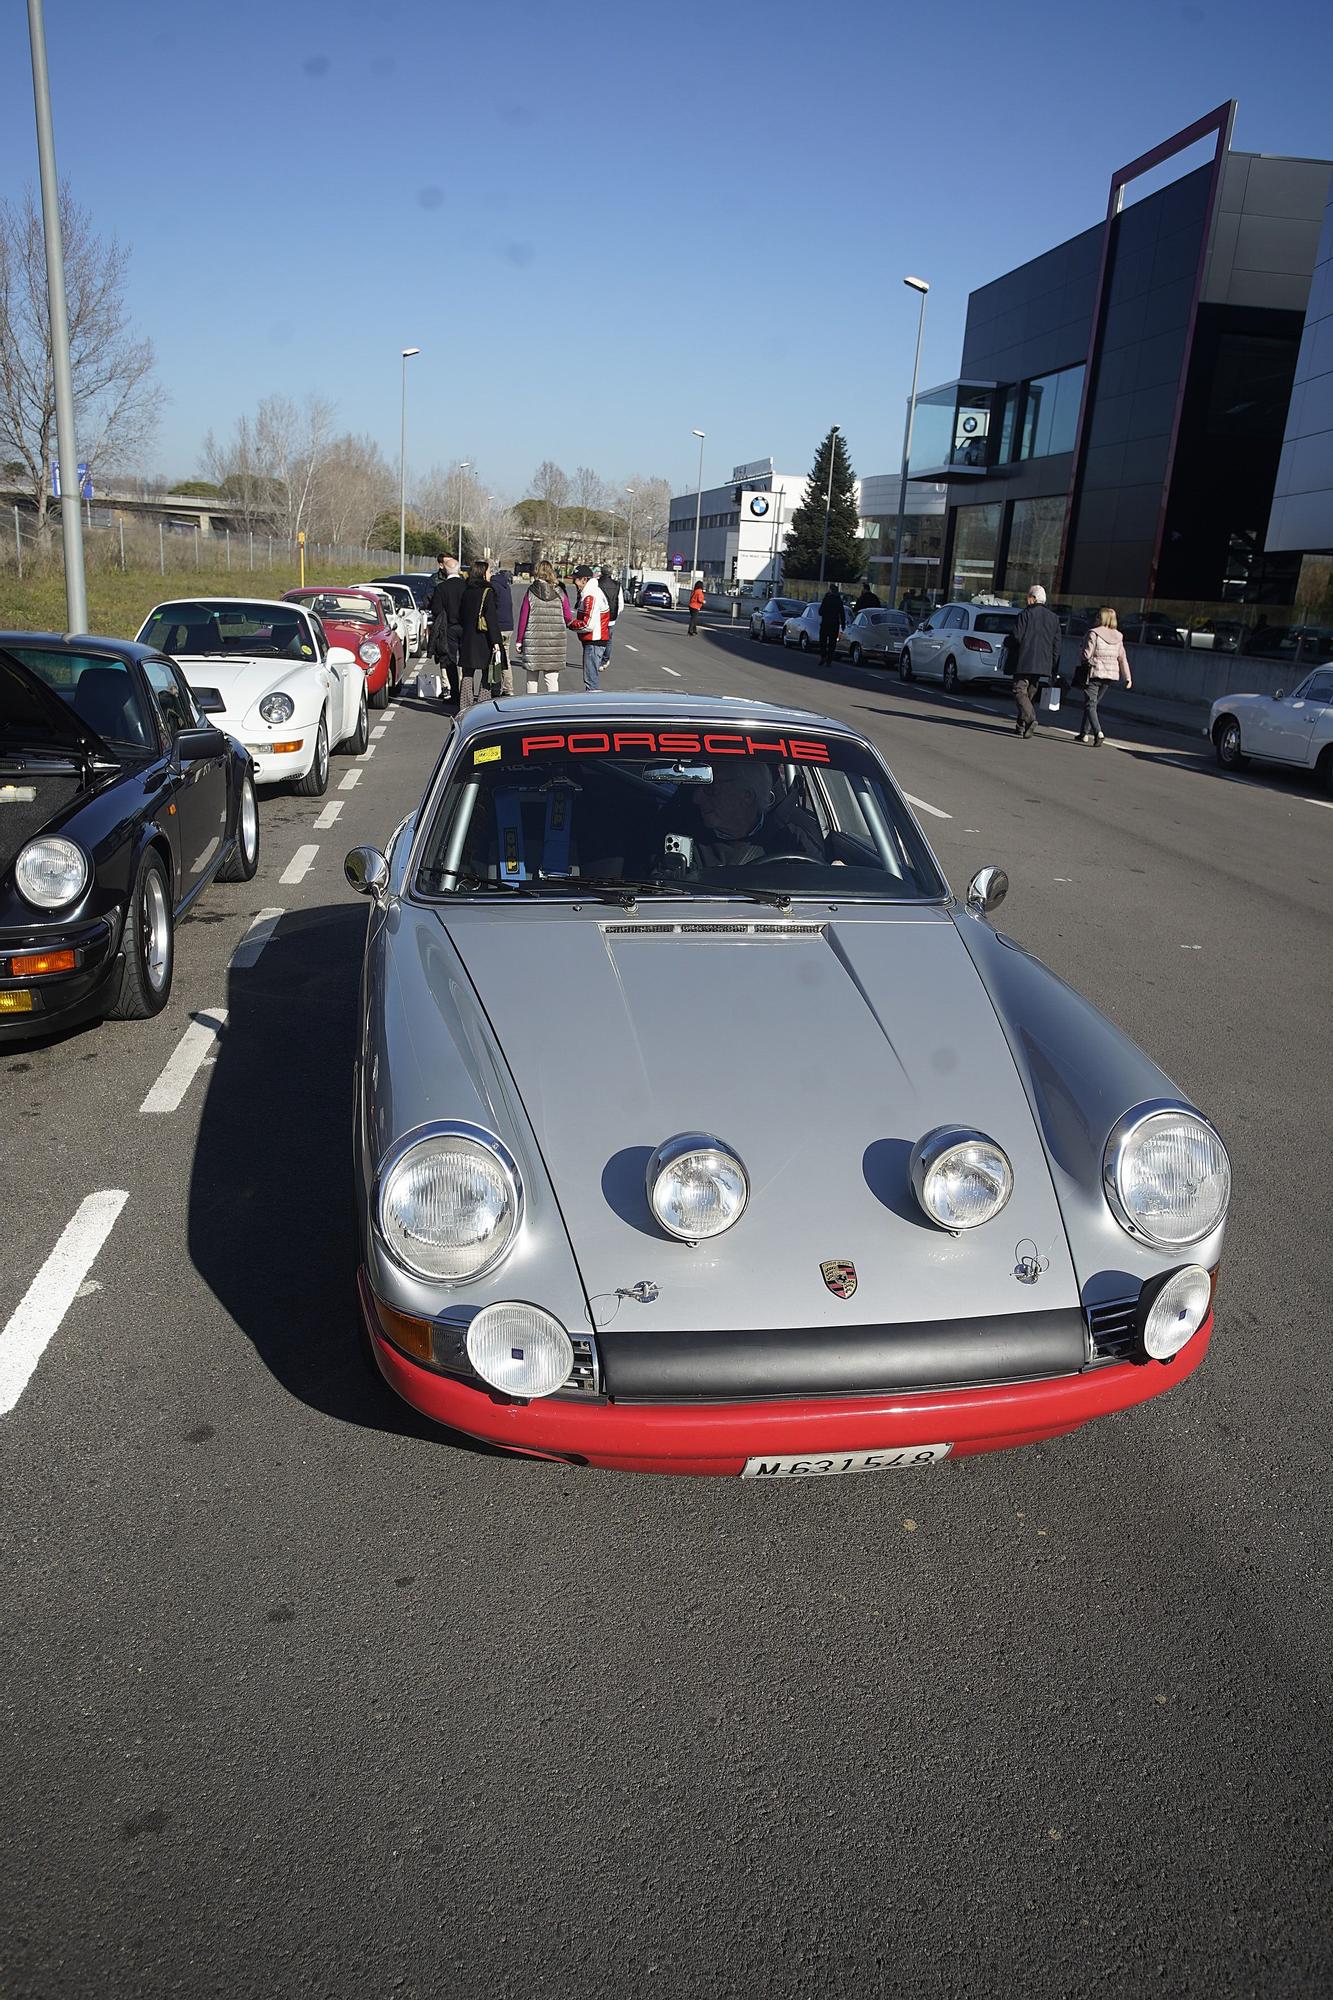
[975, 543]
[1050, 413]
[1034, 543]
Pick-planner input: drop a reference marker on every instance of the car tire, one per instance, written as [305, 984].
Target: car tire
[756, 629]
[905, 667]
[242, 864]
[1226, 742]
[951, 676]
[316, 780]
[380, 699]
[804, 642]
[360, 736]
[148, 946]
[854, 655]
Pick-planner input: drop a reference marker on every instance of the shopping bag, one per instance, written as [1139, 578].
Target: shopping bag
[1048, 702]
[428, 684]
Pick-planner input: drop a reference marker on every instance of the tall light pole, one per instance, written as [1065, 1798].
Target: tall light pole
[629, 538]
[698, 506]
[828, 497]
[460, 469]
[71, 521]
[402, 465]
[917, 285]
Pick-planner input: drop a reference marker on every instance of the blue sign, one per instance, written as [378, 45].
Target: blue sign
[85, 483]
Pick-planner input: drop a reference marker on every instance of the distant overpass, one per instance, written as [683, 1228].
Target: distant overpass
[179, 511]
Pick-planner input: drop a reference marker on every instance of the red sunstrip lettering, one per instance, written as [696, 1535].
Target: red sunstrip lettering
[532, 745]
[678, 746]
[643, 740]
[724, 746]
[805, 752]
[758, 749]
[588, 744]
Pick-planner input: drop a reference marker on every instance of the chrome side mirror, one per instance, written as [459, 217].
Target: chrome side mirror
[366, 870]
[985, 892]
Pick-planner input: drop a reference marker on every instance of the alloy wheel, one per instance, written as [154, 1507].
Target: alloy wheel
[155, 930]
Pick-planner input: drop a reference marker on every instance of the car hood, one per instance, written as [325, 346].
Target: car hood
[33, 717]
[820, 1052]
[242, 682]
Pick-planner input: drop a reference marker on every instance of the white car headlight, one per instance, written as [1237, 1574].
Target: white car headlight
[1176, 1311]
[449, 1203]
[697, 1187]
[277, 708]
[1167, 1175]
[51, 872]
[961, 1178]
[520, 1349]
[369, 653]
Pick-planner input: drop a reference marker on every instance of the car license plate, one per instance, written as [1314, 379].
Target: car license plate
[903, 1459]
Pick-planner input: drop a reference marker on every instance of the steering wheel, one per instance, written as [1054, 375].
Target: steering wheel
[813, 859]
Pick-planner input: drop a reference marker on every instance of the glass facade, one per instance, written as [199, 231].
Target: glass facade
[952, 429]
[975, 545]
[1050, 413]
[1034, 543]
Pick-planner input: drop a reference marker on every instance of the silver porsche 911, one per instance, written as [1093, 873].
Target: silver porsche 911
[700, 1128]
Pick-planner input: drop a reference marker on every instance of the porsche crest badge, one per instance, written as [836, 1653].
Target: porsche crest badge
[840, 1276]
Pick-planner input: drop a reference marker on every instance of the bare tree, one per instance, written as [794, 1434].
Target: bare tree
[353, 486]
[550, 488]
[270, 465]
[115, 402]
[589, 494]
[652, 515]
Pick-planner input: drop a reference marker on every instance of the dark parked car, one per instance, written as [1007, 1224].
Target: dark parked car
[419, 582]
[1150, 628]
[656, 597]
[119, 803]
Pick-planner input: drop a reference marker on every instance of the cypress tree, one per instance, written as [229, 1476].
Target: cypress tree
[805, 537]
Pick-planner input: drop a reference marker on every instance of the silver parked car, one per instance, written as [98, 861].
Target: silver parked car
[960, 643]
[767, 622]
[700, 1128]
[876, 635]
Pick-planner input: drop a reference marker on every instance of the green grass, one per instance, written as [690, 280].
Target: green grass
[119, 602]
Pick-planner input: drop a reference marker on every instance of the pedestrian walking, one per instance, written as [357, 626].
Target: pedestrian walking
[446, 611]
[502, 583]
[1104, 660]
[610, 590]
[543, 620]
[697, 600]
[480, 640]
[832, 619]
[1034, 653]
[591, 621]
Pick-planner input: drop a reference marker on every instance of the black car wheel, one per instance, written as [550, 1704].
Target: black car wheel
[805, 642]
[950, 676]
[148, 946]
[243, 863]
[360, 736]
[854, 655]
[316, 780]
[381, 698]
[1323, 770]
[1226, 741]
[905, 665]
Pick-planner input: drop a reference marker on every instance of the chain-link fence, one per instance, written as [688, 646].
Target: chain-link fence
[133, 542]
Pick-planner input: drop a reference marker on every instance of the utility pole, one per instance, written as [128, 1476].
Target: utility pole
[698, 508]
[629, 538]
[408, 352]
[76, 592]
[828, 498]
[917, 285]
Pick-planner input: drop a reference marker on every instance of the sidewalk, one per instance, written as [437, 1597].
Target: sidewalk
[1182, 718]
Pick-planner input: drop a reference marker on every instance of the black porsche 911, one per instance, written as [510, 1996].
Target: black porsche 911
[119, 803]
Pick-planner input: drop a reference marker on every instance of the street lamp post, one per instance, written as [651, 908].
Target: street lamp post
[460, 470]
[71, 521]
[629, 538]
[402, 465]
[698, 507]
[828, 497]
[917, 285]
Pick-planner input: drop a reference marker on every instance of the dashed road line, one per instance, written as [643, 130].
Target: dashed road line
[329, 815]
[672, 671]
[52, 1292]
[198, 1042]
[629, 648]
[300, 864]
[261, 930]
[369, 751]
[350, 778]
[922, 805]
[376, 733]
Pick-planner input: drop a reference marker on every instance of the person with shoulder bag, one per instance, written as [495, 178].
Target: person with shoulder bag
[481, 656]
[543, 620]
[1104, 660]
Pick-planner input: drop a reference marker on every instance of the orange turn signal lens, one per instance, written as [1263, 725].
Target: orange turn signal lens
[32, 964]
[405, 1331]
[277, 748]
[17, 1001]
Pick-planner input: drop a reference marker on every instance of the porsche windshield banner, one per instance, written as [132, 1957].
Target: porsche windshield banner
[640, 743]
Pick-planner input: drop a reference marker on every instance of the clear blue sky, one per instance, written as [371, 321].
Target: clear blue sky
[605, 225]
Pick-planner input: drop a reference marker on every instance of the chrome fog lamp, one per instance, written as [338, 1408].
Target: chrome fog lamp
[51, 872]
[697, 1187]
[277, 708]
[1167, 1175]
[449, 1203]
[960, 1177]
[1172, 1308]
[520, 1349]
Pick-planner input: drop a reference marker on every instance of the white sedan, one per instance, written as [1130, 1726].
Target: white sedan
[1294, 728]
[406, 615]
[285, 692]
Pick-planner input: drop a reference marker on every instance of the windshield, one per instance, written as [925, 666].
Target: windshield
[216, 627]
[99, 689]
[344, 606]
[673, 809]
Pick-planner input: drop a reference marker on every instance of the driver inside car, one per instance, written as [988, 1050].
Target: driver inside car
[740, 818]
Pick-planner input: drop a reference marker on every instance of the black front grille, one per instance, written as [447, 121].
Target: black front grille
[1113, 1333]
[585, 1379]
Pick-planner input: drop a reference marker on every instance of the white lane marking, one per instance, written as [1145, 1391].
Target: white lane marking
[369, 751]
[300, 864]
[329, 814]
[352, 778]
[376, 734]
[51, 1293]
[629, 648]
[198, 1041]
[1327, 804]
[1064, 878]
[672, 671]
[261, 930]
[937, 812]
[1191, 947]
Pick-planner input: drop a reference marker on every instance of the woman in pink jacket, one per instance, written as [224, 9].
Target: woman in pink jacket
[1104, 659]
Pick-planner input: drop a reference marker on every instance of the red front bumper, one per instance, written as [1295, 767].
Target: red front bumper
[719, 1437]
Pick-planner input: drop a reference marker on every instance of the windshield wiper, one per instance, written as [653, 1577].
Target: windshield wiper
[775, 899]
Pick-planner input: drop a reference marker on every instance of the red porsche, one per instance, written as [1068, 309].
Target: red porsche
[357, 619]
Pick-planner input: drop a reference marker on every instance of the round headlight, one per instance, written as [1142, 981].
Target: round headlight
[370, 653]
[277, 708]
[697, 1187]
[51, 872]
[449, 1205]
[1167, 1175]
[1177, 1312]
[520, 1349]
[961, 1178]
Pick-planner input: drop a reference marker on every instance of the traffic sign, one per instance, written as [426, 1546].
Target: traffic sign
[85, 483]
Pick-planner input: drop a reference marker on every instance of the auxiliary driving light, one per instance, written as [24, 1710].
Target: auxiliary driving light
[1172, 1308]
[960, 1177]
[520, 1349]
[697, 1187]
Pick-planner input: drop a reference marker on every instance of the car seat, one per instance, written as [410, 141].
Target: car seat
[104, 699]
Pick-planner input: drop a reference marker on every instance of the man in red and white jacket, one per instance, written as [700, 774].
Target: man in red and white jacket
[592, 622]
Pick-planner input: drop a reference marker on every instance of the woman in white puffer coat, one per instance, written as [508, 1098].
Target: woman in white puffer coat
[1104, 659]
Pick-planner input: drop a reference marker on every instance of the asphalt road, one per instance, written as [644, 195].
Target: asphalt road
[302, 1698]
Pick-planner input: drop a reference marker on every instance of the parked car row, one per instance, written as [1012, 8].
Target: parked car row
[956, 645]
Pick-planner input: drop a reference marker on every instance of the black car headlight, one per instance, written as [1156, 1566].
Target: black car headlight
[51, 872]
[1167, 1175]
[448, 1203]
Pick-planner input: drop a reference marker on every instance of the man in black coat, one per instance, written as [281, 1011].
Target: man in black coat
[446, 610]
[832, 618]
[867, 601]
[1034, 655]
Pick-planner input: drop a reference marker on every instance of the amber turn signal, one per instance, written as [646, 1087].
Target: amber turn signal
[277, 749]
[17, 1001]
[405, 1331]
[32, 964]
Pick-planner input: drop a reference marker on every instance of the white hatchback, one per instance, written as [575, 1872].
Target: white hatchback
[960, 643]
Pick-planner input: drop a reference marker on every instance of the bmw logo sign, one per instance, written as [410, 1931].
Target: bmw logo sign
[759, 505]
[969, 424]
